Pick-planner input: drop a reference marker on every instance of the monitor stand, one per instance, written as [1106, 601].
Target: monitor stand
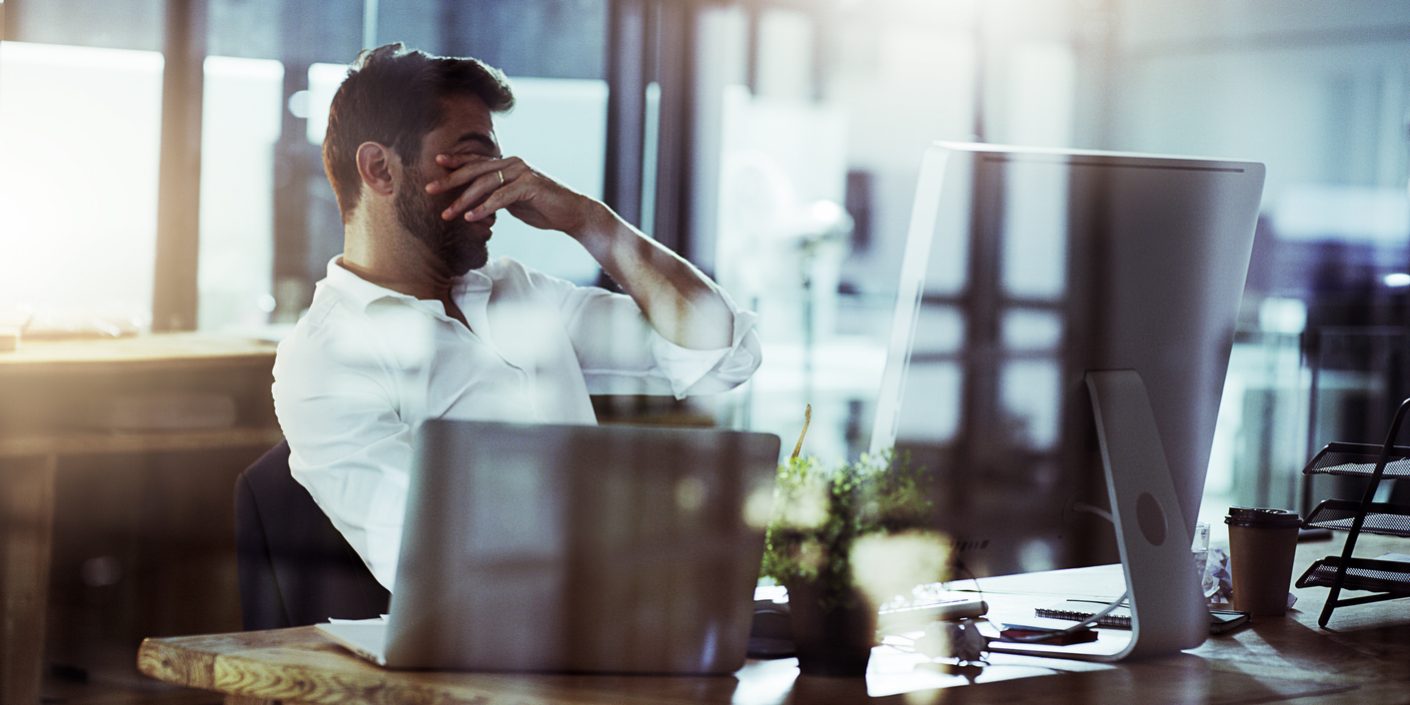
[1168, 612]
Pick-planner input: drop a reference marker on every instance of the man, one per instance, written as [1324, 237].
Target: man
[413, 322]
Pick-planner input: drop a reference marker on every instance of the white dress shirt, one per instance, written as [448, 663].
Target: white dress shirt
[366, 365]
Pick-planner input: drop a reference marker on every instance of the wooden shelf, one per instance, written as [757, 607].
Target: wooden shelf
[65, 468]
[100, 443]
[162, 351]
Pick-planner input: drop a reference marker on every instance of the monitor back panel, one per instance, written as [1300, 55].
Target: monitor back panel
[1025, 270]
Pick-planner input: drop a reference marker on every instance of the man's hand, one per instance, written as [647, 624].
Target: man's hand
[511, 184]
[680, 302]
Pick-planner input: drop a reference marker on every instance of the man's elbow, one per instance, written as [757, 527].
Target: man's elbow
[743, 362]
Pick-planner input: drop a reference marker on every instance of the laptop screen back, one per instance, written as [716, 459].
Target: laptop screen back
[580, 548]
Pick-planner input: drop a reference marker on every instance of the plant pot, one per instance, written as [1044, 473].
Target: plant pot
[833, 638]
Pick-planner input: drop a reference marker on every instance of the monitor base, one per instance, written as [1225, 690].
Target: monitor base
[1168, 614]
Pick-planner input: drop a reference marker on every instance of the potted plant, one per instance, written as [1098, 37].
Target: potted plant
[844, 538]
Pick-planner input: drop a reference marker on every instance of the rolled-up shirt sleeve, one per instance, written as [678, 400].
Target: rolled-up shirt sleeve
[621, 353]
[710, 371]
[349, 448]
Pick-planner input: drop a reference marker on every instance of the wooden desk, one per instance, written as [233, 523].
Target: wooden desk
[1363, 660]
[49, 446]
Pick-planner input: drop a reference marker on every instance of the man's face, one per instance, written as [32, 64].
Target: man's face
[460, 245]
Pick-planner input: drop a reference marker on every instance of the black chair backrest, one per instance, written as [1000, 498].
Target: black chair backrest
[295, 567]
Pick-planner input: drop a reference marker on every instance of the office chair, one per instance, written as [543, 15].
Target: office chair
[295, 568]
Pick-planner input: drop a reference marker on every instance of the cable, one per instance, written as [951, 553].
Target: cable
[1087, 623]
[959, 565]
[1093, 509]
[1097, 616]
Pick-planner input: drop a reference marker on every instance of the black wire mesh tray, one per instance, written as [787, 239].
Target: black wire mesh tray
[1358, 460]
[1361, 574]
[1381, 517]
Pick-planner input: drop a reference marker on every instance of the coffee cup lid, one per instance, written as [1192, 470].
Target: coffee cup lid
[1261, 518]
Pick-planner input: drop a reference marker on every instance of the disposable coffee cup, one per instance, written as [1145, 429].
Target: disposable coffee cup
[1262, 543]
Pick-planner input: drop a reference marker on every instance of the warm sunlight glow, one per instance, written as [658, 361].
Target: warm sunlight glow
[80, 131]
[759, 506]
[892, 565]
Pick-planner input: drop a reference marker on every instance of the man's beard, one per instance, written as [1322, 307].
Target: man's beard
[459, 244]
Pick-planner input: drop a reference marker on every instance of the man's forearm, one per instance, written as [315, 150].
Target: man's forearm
[678, 300]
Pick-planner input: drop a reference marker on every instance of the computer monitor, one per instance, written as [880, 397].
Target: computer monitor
[1026, 269]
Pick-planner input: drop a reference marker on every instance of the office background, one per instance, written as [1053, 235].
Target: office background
[161, 172]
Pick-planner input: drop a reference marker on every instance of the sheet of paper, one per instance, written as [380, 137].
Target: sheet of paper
[374, 620]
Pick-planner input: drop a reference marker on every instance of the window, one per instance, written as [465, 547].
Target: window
[78, 196]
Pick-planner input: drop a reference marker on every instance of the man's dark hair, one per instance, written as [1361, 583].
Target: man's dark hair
[394, 96]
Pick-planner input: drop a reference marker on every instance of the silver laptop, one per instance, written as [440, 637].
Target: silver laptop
[591, 549]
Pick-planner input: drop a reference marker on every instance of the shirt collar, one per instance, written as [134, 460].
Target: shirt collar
[363, 293]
